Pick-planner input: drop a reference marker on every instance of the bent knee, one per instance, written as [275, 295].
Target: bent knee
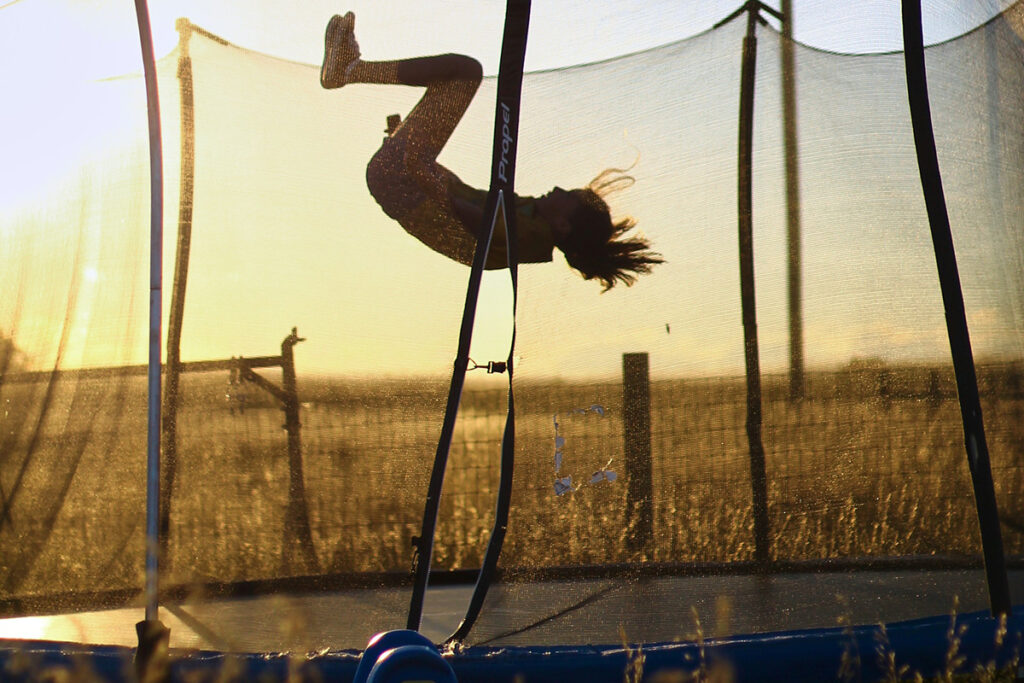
[424, 71]
[465, 67]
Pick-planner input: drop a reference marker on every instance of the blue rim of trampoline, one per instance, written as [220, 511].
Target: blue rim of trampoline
[801, 655]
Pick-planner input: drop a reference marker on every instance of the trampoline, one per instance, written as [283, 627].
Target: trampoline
[235, 442]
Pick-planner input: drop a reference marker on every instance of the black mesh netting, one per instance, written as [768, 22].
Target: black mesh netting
[864, 452]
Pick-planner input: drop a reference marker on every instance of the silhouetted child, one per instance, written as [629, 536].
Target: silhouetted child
[437, 208]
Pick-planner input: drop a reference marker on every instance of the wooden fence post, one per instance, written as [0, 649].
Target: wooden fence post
[297, 530]
[636, 420]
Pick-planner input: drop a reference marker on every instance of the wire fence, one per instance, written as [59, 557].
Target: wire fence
[870, 463]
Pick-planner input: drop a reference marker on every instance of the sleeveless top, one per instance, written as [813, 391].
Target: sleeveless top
[534, 235]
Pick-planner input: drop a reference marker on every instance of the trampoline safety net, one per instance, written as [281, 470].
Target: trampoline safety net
[310, 341]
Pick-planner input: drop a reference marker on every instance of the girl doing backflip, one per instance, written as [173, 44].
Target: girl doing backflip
[444, 213]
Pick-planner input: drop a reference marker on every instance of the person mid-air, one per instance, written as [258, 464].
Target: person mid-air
[434, 206]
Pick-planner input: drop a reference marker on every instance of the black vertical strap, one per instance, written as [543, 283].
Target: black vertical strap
[500, 197]
[506, 132]
[956, 318]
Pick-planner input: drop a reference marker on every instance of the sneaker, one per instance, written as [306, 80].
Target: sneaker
[341, 51]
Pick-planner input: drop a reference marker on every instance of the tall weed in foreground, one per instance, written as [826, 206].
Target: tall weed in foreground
[634, 660]
[887, 658]
[708, 669]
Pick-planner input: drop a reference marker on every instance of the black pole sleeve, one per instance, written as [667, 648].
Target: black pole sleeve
[956, 317]
[152, 664]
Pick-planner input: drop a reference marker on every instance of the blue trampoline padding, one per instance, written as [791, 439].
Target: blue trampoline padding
[808, 655]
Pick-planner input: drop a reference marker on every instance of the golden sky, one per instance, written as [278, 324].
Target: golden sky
[286, 234]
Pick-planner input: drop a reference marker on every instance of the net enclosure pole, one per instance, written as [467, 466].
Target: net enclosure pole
[794, 265]
[156, 205]
[758, 476]
[181, 259]
[181, 262]
[956, 316]
[153, 637]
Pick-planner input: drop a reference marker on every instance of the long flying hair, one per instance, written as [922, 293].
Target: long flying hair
[596, 246]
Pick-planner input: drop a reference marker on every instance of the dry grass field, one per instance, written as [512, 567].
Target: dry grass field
[870, 464]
